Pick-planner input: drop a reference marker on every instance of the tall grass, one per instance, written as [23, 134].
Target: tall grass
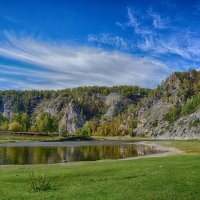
[40, 183]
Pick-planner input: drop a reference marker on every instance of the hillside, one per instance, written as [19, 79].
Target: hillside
[80, 110]
[172, 110]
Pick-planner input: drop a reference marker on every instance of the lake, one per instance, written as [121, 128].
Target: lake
[61, 152]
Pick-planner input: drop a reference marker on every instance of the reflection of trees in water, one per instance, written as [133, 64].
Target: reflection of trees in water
[104, 152]
[42, 155]
[13, 155]
[144, 150]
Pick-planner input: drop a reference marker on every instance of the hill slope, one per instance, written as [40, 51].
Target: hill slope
[172, 110]
[65, 110]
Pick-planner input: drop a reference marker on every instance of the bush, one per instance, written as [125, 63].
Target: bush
[63, 132]
[83, 132]
[15, 126]
[190, 106]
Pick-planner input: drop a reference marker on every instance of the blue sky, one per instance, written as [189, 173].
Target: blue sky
[54, 44]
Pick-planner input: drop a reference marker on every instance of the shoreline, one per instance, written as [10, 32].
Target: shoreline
[165, 151]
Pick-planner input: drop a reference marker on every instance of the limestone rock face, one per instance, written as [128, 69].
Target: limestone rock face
[187, 127]
[52, 106]
[1, 106]
[72, 118]
[151, 113]
[149, 120]
[116, 104]
[6, 107]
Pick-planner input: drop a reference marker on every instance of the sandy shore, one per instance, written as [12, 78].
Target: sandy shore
[164, 151]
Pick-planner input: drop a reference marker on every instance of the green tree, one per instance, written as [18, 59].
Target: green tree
[46, 123]
[25, 121]
[16, 117]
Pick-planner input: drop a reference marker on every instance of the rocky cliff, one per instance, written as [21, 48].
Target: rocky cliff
[170, 100]
[71, 108]
[72, 118]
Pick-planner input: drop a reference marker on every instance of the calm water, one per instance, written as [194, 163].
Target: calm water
[58, 154]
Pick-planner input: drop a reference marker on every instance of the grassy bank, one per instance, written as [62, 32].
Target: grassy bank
[188, 146]
[175, 177]
[12, 137]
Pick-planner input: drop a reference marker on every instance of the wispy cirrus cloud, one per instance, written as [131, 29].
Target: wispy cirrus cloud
[135, 24]
[36, 64]
[158, 21]
[187, 46]
[148, 26]
[144, 22]
[157, 35]
[108, 39]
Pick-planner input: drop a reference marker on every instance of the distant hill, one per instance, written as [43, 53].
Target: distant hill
[172, 110]
[66, 110]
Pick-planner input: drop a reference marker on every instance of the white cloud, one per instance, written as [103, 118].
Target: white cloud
[135, 24]
[182, 44]
[107, 39]
[60, 66]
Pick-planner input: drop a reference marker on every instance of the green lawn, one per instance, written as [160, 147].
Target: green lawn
[175, 177]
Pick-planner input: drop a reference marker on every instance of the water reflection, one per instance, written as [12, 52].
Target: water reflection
[44, 155]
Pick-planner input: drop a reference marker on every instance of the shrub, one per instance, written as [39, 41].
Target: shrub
[83, 132]
[190, 106]
[155, 123]
[40, 183]
[15, 126]
[173, 114]
[132, 134]
[63, 132]
[4, 126]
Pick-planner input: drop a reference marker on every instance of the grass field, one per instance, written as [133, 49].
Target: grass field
[175, 177]
[172, 177]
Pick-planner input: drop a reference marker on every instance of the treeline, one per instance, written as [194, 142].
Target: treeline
[22, 122]
[46, 123]
[87, 98]
[90, 101]
[25, 101]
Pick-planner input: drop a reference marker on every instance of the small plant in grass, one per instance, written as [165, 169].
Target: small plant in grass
[40, 183]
